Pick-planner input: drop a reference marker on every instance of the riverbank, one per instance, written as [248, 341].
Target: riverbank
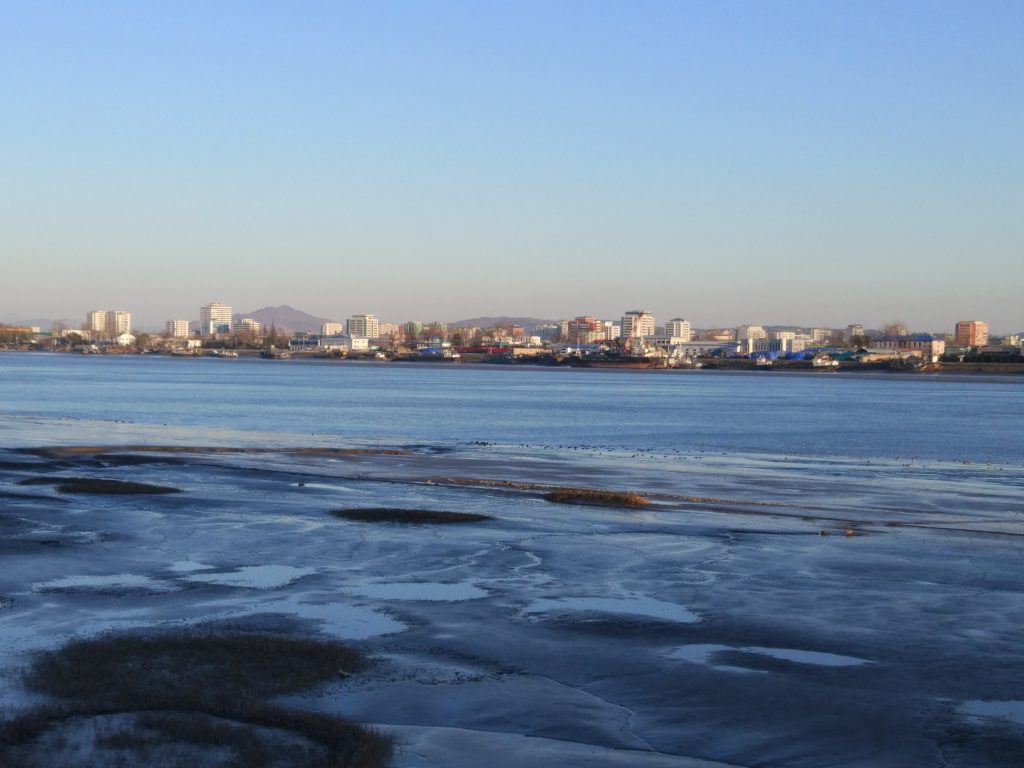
[966, 370]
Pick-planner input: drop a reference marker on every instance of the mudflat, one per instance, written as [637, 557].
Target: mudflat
[793, 613]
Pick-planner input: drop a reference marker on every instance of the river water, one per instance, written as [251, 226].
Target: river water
[55, 398]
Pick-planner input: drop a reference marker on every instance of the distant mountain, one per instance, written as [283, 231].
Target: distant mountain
[42, 322]
[285, 318]
[529, 323]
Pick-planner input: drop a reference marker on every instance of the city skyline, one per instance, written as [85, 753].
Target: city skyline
[217, 317]
[756, 162]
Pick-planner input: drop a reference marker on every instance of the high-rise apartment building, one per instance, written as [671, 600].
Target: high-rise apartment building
[96, 321]
[412, 330]
[108, 323]
[366, 326]
[119, 322]
[637, 323]
[177, 329]
[332, 329]
[679, 329]
[214, 318]
[853, 331]
[971, 333]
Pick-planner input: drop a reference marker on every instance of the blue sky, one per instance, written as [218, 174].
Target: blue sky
[812, 163]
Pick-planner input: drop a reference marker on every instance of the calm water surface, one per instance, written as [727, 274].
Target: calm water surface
[48, 397]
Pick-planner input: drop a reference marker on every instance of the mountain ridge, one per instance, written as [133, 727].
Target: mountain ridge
[285, 318]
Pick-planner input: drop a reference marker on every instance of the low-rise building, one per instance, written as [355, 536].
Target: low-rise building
[549, 331]
[342, 343]
[711, 347]
[821, 335]
[745, 332]
[584, 330]
[665, 342]
[247, 325]
[923, 345]
[783, 345]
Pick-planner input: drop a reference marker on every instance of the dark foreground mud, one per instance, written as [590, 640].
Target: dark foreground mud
[714, 625]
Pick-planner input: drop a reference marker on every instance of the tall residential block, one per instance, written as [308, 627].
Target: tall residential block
[119, 322]
[177, 329]
[971, 333]
[214, 318]
[367, 326]
[108, 323]
[332, 329]
[679, 328]
[96, 321]
[637, 323]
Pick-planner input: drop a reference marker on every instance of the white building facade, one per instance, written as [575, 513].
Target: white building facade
[111, 323]
[248, 325]
[96, 321]
[745, 332]
[214, 318]
[177, 329]
[637, 323]
[679, 328]
[366, 326]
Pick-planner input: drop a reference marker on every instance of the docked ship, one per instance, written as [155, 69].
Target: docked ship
[273, 353]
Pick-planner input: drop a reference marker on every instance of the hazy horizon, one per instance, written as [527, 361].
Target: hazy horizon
[771, 163]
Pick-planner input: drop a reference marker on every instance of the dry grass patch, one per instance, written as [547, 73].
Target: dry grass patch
[595, 496]
[395, 515]
[200, 687]
[98, 485]
[163, 670]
